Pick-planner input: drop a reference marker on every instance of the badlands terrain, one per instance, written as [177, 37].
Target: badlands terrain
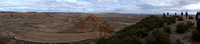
[36, 28]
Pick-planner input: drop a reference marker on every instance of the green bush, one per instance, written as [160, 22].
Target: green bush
[131, 40]
[194, 27]
[180, 18]
[121, 40]
[167, 29]
[172, 19]
[140, 33]
[151, 22]
[195, 35]
[190, 24]
[181, 28]
[168, 23]
[178, 41]
[166, 20]
[158, 37]
[102, 40]
[190, 17]
[176, 16]
[2, 41]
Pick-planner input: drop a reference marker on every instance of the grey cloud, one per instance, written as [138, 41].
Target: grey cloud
[120, 6]
[103, 1]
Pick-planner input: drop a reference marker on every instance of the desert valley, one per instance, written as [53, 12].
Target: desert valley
[34, 28]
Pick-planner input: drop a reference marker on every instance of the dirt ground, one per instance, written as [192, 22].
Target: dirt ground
[43, 37]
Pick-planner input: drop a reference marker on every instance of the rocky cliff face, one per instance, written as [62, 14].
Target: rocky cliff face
[93, 23]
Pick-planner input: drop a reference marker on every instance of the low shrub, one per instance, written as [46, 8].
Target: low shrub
[176, 16]
[131, 40]
[172, 19]
[151, 22]
[140, 33]
[194, 27]
[190, 17]
[195, 35]
[168, 23]
[180, 18]
[2, 41]
[167, 29]
[121, 40]
[158, 37]
[178, 41]
[190, 24]
[181, 28]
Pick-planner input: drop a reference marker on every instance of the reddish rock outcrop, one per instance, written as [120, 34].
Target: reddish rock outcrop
[93, 23]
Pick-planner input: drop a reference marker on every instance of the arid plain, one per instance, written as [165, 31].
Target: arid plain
[35, 28]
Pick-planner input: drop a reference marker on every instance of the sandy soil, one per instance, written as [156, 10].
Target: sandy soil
[43, 37]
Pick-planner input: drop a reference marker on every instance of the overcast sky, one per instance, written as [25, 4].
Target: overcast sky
[101, 6]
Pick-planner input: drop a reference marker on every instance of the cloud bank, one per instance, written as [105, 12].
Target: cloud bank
[102, 6]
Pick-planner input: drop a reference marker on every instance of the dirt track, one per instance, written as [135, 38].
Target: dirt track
[43, 37]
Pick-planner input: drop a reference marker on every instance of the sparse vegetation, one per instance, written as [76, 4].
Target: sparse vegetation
[195, 35]
[190, 17]
[180, 18]
[172, 19]
[158, 37]
[167, 29]
[121, 40]
[140, 33]
[131, 40]
[189, 24]
[181, 28]
[176, 16]
[3, 40]
[178, 41]
[169, 20]
[133, 33]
